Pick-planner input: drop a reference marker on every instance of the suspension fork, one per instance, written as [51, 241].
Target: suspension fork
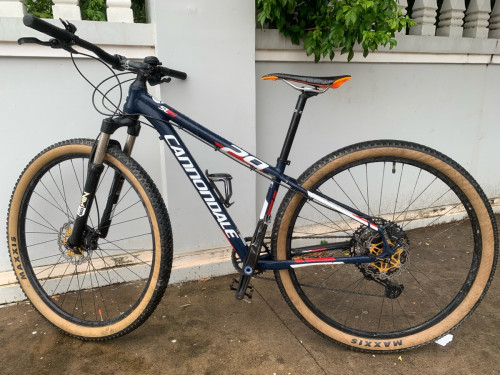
[114, 191]
[95, 168]
[94, 171]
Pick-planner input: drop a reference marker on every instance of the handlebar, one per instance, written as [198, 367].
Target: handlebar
[67, 38]
[47, 28]
[172, 73]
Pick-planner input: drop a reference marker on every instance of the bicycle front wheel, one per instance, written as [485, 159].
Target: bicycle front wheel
[435, 211]
[117, 281]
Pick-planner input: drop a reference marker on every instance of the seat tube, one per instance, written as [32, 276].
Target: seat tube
[292, 129]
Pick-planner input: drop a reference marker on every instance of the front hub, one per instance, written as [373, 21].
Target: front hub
[76, 254]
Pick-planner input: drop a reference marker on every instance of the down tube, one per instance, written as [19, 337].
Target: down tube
[200, 183]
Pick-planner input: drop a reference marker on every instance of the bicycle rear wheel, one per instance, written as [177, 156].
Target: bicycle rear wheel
[116, 283]
[441, 219]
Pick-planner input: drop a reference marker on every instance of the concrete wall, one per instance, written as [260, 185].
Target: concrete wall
[449, 107]
[218, 93]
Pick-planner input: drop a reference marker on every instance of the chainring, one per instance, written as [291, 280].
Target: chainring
[237, 262]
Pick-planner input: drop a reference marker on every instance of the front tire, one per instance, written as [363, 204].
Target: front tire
[449, 257]
[115, 285]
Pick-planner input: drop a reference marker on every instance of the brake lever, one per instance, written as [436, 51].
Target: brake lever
[154, 82]
[35, 40]
[68, 26]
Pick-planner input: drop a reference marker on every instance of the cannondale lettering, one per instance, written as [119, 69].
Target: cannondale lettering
[202, 188]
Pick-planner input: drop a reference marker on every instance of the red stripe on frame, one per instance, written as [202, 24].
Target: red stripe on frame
[319, 259]
[309, 260]
[314, 250]
[272, 203]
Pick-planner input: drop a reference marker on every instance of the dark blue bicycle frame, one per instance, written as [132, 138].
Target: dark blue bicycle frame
[163, 117]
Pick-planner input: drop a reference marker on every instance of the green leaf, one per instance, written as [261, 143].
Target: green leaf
[351, 55]
[325, 25]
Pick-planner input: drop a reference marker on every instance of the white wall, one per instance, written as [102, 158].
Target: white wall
[214, 43]
[450, 107]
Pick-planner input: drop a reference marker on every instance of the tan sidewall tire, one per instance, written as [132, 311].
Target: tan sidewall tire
[457, 315]
[20, 266]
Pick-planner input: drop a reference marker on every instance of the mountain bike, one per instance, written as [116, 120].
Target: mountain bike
[379, 246]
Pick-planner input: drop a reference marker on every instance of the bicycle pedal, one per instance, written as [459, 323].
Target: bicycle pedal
[234, 284]
[248, 291]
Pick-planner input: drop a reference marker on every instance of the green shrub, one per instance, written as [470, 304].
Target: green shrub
[327, 25]
[39, 8]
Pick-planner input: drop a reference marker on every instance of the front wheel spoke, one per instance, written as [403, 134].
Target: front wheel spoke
[100, 291]
[41, 243]
[109, 266]
[113, 224]
[65, 213]
[59, 282]
[44, 219]
[125, 209]
[69, 286]
[46, 227]
[126, 239]
[139, 277]
[40, 271]
[59, 190]
[76, 176]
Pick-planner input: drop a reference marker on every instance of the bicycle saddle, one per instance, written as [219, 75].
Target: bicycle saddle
[324, 82]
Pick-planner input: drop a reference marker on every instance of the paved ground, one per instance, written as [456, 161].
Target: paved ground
[199, 328]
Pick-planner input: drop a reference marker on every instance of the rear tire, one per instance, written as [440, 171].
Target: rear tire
[111, 289]
[424, 193]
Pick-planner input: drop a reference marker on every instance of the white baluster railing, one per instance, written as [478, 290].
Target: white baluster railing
[495, 21]
[66, 9]
[12, 8]
[424, 13]
[119, 11]
[451, 18]
[476, 19]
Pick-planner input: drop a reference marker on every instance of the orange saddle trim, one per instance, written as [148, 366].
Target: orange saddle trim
[334, 82]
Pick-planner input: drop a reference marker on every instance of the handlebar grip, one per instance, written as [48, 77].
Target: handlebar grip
[47, 28]
[173, 73]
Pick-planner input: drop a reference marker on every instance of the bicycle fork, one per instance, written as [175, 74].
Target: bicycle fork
[80, 233]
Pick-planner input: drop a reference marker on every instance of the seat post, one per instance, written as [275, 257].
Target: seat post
[292, 129]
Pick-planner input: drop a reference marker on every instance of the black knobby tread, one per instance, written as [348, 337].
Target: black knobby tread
[162, 219]
[370, 145]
